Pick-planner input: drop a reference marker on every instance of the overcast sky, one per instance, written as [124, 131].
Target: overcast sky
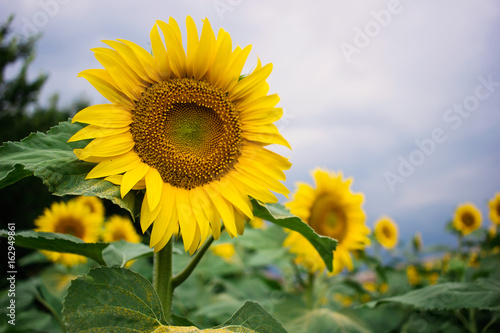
[403, 96]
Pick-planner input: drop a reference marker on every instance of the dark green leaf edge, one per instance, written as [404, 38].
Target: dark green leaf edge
[278, 214]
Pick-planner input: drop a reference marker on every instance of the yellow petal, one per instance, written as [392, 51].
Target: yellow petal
[154, 187]
[267, 138]
[196, 198]
[232, 195]
[204, 52]
[187, 221]
[262, 178]
[127, 84]
[132, 177]
[115, 165]
[148, 215]
[93, 131]
[221, 59]
[250, 82]
[255, 190]
[91, 159]
[264, 102]
[192, 46]
[104, 115]
[159, 52]
[131, 59]
[114, 145]
[173, 41]
[146, 59]
[223, 208]
[261, 117]
[167, 221]
[105, 85]
[234, 68]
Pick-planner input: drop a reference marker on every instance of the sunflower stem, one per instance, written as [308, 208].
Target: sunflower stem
[162, 278]
[310, 291]
[186, 272]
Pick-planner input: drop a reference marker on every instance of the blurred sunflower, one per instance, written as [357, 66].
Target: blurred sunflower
[467, 218]
[386, 232]
[413, 275]
[226, 251]
[331, 209]
[494, 204]
[117, 228]
[72, 218]
[94, 204]
[188, 128]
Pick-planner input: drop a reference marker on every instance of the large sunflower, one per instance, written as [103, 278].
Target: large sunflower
[331, 209]
[494, 204]
[386, 232]
[467, 218]
[188, 128]
[73, 218]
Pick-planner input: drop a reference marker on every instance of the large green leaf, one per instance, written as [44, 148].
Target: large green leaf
[59, 243]
[112, 299]
[483, 294]
[278, 214]
[50, 157]
[117, 253]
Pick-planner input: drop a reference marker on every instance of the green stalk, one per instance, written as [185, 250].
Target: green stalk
[310, 291]
[162, 278]
[186, 272]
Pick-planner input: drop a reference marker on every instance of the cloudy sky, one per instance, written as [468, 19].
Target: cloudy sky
[402, 96]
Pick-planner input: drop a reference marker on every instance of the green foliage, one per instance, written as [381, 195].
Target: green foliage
[119, 300]
[50, 157]
[279, 215]
[117, 253]
[483, 294]
[112, 299]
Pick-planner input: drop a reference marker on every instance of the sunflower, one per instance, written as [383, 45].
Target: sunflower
[386, 232]
[413, 275]
[93, 203]
[331, 209]
[71, 218]
[117, 228]
[467, 218]
[226, 251]
[494, 204]
[188, 128]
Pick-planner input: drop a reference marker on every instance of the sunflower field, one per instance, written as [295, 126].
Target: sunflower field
[165, 217]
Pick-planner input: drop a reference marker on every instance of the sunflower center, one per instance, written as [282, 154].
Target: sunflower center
[69, 226]
[468, 219]
[386, 231]
[188, 130]
[328, 218]
[498, 209]
[119, 235]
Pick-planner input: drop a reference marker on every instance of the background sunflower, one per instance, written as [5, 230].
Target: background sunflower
[333, 210]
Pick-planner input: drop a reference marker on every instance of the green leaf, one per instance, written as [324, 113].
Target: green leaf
[59, 243]
[253, 316]
[326, 321]
[112, 299]
[121, 252]
[482, 294]
[50, 157]
[279, 215]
